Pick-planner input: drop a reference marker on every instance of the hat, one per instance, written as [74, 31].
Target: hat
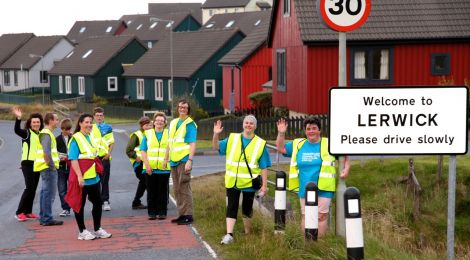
[144, 120]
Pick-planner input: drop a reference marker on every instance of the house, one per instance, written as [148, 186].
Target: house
[150, 28]
[246, 68]
[246, 21]
[212, 7]
[95, 67]
[28, 67]
[194, 69]
[408, 43]
[161, 9]
[82, 30]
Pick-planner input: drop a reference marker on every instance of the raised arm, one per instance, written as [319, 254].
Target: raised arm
[215, 138]
[281, 132]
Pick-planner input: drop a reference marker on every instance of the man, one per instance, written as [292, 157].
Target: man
[102, 135]
[133, 152]
[47, 162]
[180, 152]
[63, 172]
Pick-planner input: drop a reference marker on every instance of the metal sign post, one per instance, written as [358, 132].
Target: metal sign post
[451, 207]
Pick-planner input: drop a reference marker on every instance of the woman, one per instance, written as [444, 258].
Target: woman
[152, 148]
[30, 140]
[247, 158]
[84, 180]
[311, 162]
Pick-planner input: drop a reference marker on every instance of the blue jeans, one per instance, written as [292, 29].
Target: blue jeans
[63, 177]
[48, 188]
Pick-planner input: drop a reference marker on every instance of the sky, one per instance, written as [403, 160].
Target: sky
[56, 17]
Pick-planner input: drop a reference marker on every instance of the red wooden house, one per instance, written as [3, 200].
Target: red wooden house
[403, 42]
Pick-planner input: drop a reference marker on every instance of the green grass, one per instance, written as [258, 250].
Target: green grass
[390, 231]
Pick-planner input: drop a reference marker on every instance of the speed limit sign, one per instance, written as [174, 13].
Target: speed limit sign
[344, 15]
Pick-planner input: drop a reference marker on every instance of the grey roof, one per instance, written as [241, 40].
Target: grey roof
[247, 46]
[92, 29]
[224, 3]
[244, 21]
[168, 8]
[263, 4]
[104, 49]
[40, 45]
[10, 43]
[191, 51]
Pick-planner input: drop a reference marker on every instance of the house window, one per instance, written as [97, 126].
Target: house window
[211, 12]
[112, 84]
[138, 27]
[82, 30]
[15, 77]
[61, 86]
[6, 78]
[149, 45]
[286, 8]
[81, 85]
[43, 76]
[68, 85]
[209, 88]
[440, 64]
[229, 24]
[281, 69]
[108, 30]
[159, 89]
[170, 90]
[153, 25]
[140, 89]
[87, 54]
[371, 66]
[210, 25]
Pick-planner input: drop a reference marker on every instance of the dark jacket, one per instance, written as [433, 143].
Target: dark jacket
[62, 148]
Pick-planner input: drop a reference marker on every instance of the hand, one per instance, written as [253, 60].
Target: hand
[148, 170]
[188, 166]
[281, 125]
[218, 127]
[263, 191]
[165, 162]
[17, 112]
[344, 174]
[138, 159]
[81, 182]
[106, 157]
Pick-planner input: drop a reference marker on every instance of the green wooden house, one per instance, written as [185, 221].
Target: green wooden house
[95, 67]
[195, 70]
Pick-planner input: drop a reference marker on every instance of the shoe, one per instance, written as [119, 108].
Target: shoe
[227, 239]
[53, 223]
[32, 216]
[161, 217]
[175, 220]
[152, 217]
[101, 233]
[106, 206]
[86, 235]
[140, 206]
[64, 213]
[21, 217]
[186, 220]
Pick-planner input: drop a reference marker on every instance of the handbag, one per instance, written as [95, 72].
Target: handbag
[256, 182]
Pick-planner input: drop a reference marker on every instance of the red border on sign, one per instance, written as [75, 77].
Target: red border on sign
[340, 28]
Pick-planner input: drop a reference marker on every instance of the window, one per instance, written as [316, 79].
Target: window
[258, 22]
[170, 90]
[69, 55]
[15, 77]
[149, 45]
[61, 86]
[81, 85]
[286, 8]
[83, 29]
[108, 30]
[440, 64]
[169, 24]
[159, 89]
[140, 89]
[211, 12]
[281, 69]
[138, 27]
[112, 84]
[371, 66]
[153, 25]
[129, 22]
[210, 25]
[229, 24]
[68, 85]
[209, 88]
[87, 54]
[6, 78]
[43, 76]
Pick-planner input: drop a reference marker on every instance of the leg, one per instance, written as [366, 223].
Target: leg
[105, 180]
[247, 210]
[186, 195]
[323, 210]
[62, 178]
[95, 198]
[79, 216]
[162, 193]
[176, 187]
[49, 180]
[31, 180]
[233, 199]
[151, 194]
[302, 214]
[141, 187]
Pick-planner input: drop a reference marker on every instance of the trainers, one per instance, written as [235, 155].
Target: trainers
[152, 217]
[21, 217]
[32, 216]
[106, 206]
[101, 233]
[140, 206]
[64, 213]
[227, 239]
[53, 223]
[175, 220]
[86, 235]
[186, 220]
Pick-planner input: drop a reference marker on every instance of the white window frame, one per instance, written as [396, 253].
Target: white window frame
[81, 85]
[6, 78]
[149, 44]
[158, 89]
[286, 8]
[140, 84]
[206, 83]
[61, 85]
[115, 84]
[68, 85]
[170, 90]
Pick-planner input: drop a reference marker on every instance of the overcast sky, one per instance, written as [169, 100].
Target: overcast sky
[56, 17]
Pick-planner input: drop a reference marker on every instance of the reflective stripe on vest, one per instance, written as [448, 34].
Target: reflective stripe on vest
[28, 152]
[236, 171]
[87, 150]
[140, 136]
[40, 163]
[178, 148]
[156, 150]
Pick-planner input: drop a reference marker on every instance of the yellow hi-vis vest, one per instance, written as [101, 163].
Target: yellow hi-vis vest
[103, 142]
[39, 162]
[28, 152]
[326, 179]
[236, 171]
[87, 151]
[139, 135]
[156, 150]
[178, 148]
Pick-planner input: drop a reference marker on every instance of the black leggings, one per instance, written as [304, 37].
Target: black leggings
[233, 200]
[31, 180]
[93, 192]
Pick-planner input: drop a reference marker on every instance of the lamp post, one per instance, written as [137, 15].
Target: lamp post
[42, 69]
[170, 25]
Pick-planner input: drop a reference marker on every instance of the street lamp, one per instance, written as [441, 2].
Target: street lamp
[42, 71]
[170, 25]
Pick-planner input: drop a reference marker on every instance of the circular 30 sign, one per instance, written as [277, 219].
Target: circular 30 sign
[344, 15]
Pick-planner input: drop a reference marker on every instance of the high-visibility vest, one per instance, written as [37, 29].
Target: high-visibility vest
[178, 148]
[156, 150]
[103, 142]
[327, 177]
[140, 136]
[28, 151]
[39, 162]
[236, 170]
[87, 151]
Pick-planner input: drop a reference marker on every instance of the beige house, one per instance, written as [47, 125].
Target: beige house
[212, 7]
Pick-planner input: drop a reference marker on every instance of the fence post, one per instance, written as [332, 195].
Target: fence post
[353, 218]
[280, 203]
[311, 211]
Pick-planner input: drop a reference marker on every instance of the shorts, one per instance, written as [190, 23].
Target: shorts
[323, 205]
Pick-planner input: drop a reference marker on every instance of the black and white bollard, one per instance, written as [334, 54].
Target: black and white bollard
[311, 211]
[354, 234]
[280, 203]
